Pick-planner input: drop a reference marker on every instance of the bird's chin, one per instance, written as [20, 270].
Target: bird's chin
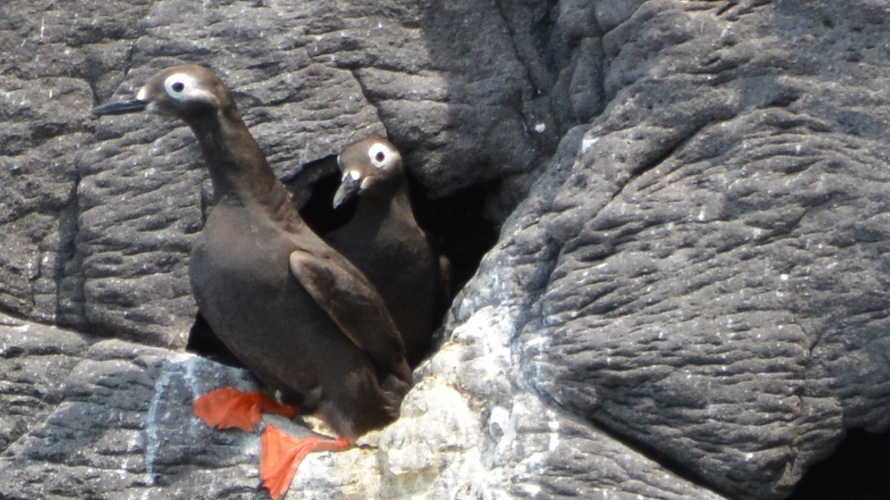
[156, 109]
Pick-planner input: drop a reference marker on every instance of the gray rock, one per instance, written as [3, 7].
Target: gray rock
[35, 361]
[686, 299]
[123, 428]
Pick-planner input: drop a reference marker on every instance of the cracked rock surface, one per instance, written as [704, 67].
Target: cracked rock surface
[687, 297]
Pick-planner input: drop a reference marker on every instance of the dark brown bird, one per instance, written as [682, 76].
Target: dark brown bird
[385, 242]
[291, 308]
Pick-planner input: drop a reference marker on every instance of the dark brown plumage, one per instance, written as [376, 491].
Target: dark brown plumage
[385, 242]
[291, 308]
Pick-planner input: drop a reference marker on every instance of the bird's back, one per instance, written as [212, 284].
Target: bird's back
[394, 253]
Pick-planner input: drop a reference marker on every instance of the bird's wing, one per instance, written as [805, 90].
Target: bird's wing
[355, 306]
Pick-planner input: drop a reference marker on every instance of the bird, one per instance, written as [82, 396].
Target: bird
[292, 309]
[384, 240]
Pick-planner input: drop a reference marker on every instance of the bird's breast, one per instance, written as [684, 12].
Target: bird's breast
[238, 261]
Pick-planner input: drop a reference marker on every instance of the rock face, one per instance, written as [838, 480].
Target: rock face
[687, 298]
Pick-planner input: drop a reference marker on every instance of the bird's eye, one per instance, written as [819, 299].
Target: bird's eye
[379, 155]
[181, 86]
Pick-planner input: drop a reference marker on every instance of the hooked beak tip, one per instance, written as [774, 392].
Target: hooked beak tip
[349, 187]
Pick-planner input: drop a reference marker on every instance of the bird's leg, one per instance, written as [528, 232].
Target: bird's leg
[228, 407]
[281, 455]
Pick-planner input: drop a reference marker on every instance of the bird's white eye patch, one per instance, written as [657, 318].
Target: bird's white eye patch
[381, 155]
[180, 86]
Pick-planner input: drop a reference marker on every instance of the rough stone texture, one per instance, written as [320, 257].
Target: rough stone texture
[688, 295]
[121, 424]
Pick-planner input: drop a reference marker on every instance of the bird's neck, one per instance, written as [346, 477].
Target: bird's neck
[238, 168]
[389, 206]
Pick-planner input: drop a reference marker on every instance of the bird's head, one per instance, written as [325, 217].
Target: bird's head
[368, 166]
[187, 92]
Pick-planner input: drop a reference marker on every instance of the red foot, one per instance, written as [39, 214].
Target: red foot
[280, 456]
[228, 407]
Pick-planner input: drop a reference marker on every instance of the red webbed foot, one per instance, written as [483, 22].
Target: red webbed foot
[281, 455]
[228, 407]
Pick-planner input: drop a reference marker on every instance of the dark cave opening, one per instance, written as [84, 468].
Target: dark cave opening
[859, 469]
[458, 227]
[455, 223]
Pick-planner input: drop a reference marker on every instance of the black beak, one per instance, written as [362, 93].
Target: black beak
[119, 108]
[349, 187]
